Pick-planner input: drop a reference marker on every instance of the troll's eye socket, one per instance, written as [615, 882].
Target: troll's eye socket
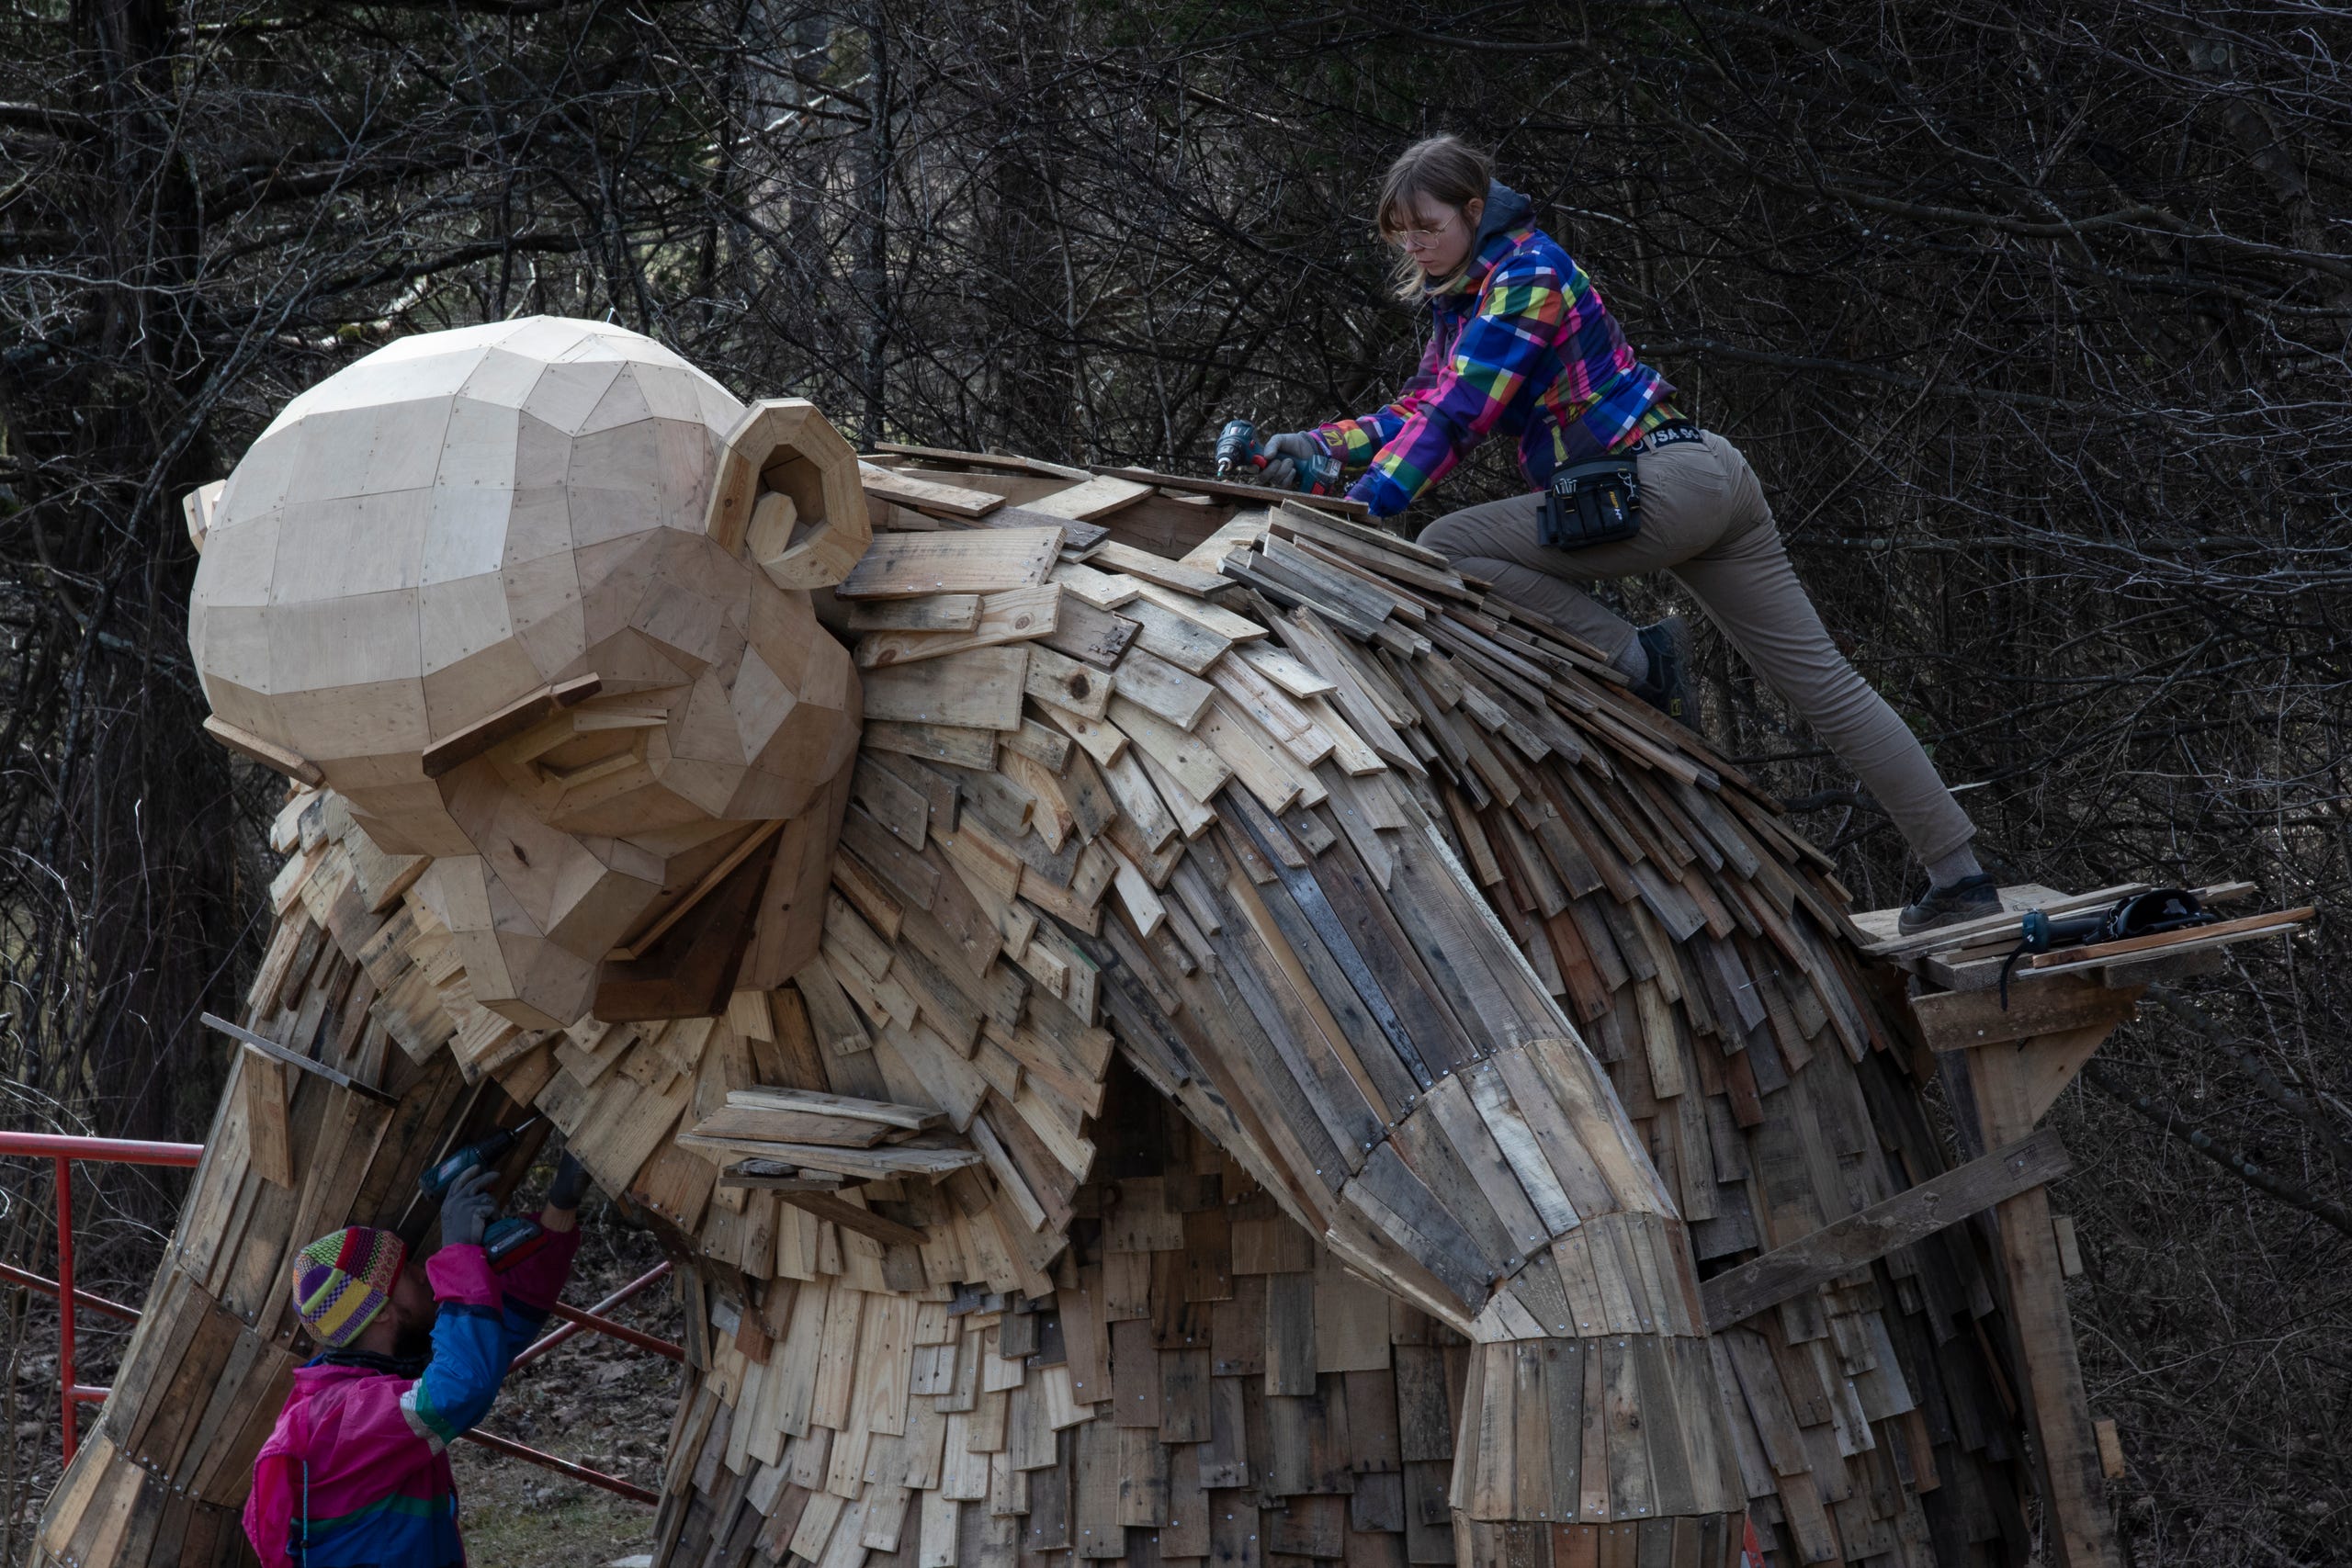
[594, 740]
[566, 764]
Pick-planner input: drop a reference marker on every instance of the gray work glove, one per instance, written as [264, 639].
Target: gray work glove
[469, 1207]
[570, 1183]
[1283, 454]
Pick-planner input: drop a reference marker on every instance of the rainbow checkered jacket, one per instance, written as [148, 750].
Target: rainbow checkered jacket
[379, 1489]
[1520, 341]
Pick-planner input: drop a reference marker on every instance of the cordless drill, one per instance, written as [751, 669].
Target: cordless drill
[510, 1238]
[1238, 443]
[438, 1178]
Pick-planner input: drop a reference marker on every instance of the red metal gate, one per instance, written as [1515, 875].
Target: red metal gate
[65, 1151]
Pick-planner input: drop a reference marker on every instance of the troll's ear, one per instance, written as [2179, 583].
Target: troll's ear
[788, 495]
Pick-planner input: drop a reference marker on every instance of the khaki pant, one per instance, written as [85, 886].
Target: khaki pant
[1704, 519]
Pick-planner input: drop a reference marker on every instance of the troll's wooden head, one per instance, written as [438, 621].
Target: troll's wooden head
[532, 597]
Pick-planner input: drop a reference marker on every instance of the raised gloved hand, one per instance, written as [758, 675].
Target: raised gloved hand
[1283, 454]
[469, 1207]
[570, 1183]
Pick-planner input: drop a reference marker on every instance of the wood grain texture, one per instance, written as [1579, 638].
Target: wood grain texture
[1329, 1085]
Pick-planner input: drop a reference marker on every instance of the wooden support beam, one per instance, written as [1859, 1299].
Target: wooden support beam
[1954, 1021]
[2008, 1073]
[2039, 1069]
[1858, 1239]
[2073, 1480]
[2014, 1085]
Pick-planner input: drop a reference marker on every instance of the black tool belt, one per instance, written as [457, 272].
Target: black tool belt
[1598, 501]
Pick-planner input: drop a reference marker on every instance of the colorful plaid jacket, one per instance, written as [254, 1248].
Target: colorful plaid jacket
[357, 1470]
[1522, 342]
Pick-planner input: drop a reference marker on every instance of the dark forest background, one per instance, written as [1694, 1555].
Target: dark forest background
[2033, 317]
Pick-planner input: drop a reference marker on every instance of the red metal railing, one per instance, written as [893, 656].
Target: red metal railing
[64, 1150]
[574, 1320]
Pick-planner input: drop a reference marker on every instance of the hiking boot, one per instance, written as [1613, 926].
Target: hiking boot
[1970, 898]
[1667, 643]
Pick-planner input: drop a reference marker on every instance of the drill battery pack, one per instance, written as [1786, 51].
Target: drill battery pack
[510, 1239]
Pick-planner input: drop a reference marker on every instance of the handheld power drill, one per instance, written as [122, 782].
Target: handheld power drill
[509, 1239]
[1238, 443]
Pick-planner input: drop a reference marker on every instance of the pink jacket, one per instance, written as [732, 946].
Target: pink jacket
[357, 1472]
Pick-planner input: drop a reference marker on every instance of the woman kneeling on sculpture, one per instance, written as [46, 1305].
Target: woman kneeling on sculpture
[1521, 343]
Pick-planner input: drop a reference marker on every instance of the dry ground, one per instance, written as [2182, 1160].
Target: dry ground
[593, 1400]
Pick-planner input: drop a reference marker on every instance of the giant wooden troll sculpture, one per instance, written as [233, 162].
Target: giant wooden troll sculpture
[1243, 1058]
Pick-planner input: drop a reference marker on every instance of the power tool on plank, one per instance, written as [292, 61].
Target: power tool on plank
[510, 1238]
[2152, 913]
[1238, 443]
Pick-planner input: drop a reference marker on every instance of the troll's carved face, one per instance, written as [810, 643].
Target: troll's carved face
[532, 596]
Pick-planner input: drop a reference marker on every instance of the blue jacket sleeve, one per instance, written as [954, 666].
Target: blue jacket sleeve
[485, 1320]
[470, 1348]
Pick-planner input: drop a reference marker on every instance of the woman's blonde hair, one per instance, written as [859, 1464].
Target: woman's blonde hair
[1443, 168]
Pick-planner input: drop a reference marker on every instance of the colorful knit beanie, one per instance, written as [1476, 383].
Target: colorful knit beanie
[342, 1282]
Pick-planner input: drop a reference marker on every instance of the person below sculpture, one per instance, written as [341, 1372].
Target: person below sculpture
[357, 1470]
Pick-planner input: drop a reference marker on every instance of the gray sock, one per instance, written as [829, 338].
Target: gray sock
[1633, 659]
[1949, 868]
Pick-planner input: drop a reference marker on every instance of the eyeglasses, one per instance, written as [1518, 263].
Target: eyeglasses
[1411, 238]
